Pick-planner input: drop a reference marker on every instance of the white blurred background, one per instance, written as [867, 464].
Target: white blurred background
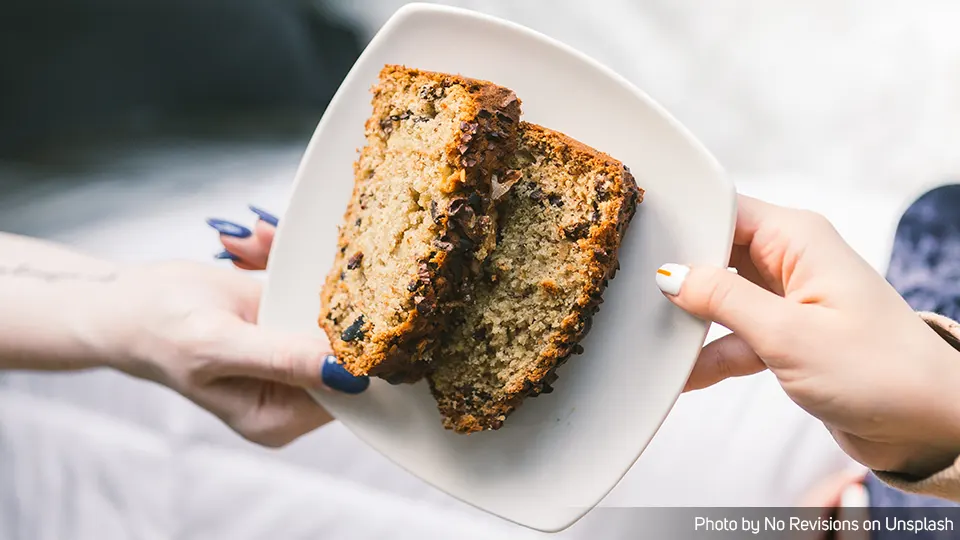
[123, 126]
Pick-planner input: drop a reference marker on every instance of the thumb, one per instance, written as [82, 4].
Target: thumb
[716, 294]
[295, 360]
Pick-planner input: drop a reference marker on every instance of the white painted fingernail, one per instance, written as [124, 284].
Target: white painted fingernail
[670, 278]
[732, 269]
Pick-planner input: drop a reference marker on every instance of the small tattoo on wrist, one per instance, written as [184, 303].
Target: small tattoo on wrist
[51, 276]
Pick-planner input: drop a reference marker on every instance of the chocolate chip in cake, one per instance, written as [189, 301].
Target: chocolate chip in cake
[537, 194]
[588, 322]
[576, 232]
[555, 200]
[466, 244]
[354, 261]
[475, 201]
[603, 192]
[354, 331]
[457, 206]
[425, 304]
[429, 92]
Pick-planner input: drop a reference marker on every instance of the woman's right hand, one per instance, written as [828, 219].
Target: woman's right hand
[840, 340]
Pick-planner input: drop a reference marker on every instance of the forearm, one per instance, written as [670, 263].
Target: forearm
[49, 299]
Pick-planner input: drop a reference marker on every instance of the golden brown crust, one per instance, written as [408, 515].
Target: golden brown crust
[465, 229]
[462, 412]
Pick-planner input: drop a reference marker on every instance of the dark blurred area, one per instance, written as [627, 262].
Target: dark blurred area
[78, 74]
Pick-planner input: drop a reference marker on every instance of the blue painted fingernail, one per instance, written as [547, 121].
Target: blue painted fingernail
[338, 378]
[265, 216]
[229, 228]
[226, 256]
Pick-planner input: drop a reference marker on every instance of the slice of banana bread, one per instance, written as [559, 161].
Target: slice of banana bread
[563, 212]
[421, 218]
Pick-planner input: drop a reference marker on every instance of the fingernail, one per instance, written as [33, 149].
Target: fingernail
[229, 228]
[226, 256]
[733, 270]
[670, 278]
[265, 216]
[336, 377]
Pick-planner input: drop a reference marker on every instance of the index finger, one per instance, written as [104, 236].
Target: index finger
[751, 214]
[253, 251]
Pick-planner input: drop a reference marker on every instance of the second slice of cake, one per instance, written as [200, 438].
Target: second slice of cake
[421, 219]
[563, 213]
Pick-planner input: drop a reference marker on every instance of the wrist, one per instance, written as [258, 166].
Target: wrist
[131, 327]
[940, 442]
[114, 327]
[95, 323]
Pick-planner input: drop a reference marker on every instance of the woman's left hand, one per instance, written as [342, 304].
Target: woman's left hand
[193, 328]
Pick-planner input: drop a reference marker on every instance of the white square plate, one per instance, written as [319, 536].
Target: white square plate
[559, 454]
